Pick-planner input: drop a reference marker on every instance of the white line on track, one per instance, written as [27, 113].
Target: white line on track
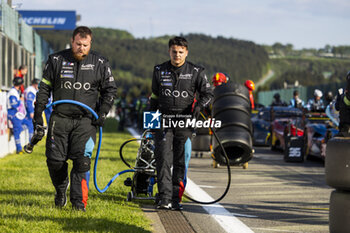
[226, 219]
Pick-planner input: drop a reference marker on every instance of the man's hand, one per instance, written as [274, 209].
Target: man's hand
[38, 119]
[100, 121]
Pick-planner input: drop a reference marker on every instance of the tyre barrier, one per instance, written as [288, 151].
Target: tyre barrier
[232, 107]
[337, 168]
[339, 212]
[337, 164]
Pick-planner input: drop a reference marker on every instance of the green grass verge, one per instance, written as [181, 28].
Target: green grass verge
[27, 195]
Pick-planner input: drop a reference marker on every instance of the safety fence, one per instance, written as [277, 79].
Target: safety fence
[19, 45]
[305, 93]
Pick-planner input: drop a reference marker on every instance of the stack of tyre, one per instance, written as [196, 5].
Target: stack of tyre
[338, 176]
[231, 106]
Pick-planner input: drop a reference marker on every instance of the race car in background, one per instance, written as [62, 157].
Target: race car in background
[290, 123]
[319, 128]
[262, 122]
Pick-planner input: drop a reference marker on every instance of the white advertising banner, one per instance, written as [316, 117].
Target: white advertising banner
[4, 132]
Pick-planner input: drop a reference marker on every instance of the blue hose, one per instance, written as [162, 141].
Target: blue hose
[99, 142]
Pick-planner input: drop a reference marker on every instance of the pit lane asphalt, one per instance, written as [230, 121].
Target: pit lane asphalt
[270, 196]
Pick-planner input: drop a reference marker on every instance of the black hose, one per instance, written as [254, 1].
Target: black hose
[121, 150]
[228, 172]
[196, 201]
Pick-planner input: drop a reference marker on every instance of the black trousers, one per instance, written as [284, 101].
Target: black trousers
[70, 138]
[170, 153]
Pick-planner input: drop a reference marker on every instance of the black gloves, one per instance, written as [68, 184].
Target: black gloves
[100, 121]
[38, 119]
[102, 114]
[196, 111]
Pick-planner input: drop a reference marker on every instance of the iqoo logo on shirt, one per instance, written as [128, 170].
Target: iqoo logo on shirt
[76, 85]
[175, 93]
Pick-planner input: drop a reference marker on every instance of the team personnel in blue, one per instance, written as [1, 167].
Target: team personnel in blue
[296, 102]
[29, 98]
[16, 113]
[316, 104]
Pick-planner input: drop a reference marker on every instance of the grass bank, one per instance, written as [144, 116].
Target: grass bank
[27, 195]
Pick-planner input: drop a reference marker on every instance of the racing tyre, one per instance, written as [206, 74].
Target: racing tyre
[231, 106]
[339, 212]
[337, 163]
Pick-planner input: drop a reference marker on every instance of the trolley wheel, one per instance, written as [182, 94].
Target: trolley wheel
[245, 165]
[129, 196]
[215, 164]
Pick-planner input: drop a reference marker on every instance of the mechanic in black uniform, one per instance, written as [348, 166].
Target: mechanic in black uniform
[342, 105]
[81, 75]
[174, 85]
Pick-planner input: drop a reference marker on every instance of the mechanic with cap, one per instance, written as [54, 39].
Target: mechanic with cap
[174, 86]
[316, 104]
[16, 113]
[84, 76]
[296, 102]
[342, 105]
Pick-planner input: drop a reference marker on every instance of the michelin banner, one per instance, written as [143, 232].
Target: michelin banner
[52, 20]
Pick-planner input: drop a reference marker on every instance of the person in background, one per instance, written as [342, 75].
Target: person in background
[16, 113]
[316, 104]
[121, 107]
[85, 76]
[141, 106]
[342, 105]
[328, 98]
[277, 100]
[21, 72]
[249, 84]
[219, 78]
[29, 98]
[174, 85]
[296, 102]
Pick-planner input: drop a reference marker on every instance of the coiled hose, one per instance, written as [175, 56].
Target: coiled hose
[99, 143]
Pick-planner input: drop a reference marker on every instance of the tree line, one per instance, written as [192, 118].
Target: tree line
[132, 59]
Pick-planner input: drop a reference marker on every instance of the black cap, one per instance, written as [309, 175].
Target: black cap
[17, 81]
[276, 96]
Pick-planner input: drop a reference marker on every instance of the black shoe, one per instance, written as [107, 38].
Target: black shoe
[61, 198]
[176, 206]
[78, 207]
[164, 205]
